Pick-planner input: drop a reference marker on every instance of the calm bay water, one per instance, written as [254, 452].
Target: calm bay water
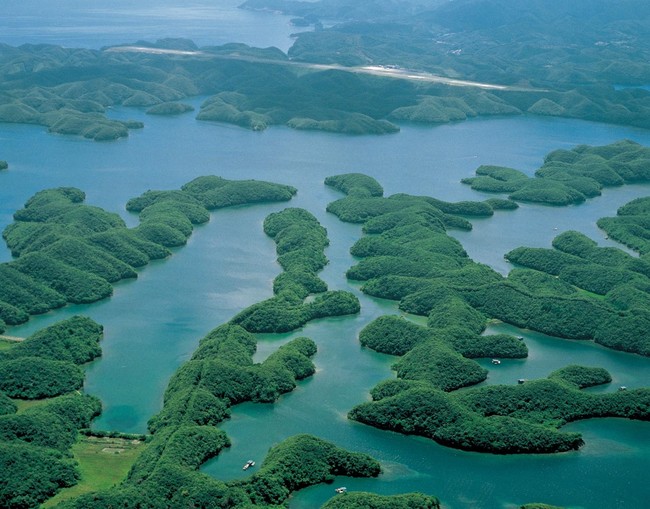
[98, 23]
[154, 324]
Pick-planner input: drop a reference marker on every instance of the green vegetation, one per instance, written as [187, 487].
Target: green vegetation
[433, 109]
[392, 334]
[408, 259]
[53, 424]
[73, 340]
[355, 183]
[330, 100]
[7, 405]
[300, 241]
[164, 476]
[440, 366]
[221, 373]
[492, 419]
[36, 436]
[397, 336]
[545, 52]
[169, 109]
[568, 176]
[568, 317]
[280, 314]
[75, 285]
[363, 500]
[46, 363]
[216, 192]
[630, 225]
[547, 61]
[35, 377]
[35, 443]
[345, 123]
[103, 462]
[582, 376]
[283, 470]
[364, 201]
[553, 305]
[474, 346]
[43, 472]
[68, 251]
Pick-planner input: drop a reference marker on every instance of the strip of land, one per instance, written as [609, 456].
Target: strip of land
[11, 338]
[375, 70]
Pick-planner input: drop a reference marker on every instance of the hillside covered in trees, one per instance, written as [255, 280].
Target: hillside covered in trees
[360, 68]
[376, 65]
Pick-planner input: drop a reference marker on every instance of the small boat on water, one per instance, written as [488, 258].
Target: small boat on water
[342, 489]
[522, 381]
[496, 361]
[248, 464]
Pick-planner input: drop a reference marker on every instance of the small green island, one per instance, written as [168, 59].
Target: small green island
[371, 70]
[46, 368]
[300, 241]
[355, 69]
[69, 252]
[568, 176]
[408, 256]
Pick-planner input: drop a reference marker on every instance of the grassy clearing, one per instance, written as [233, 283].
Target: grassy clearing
[103, 462]
[6, 344]
[24, 404]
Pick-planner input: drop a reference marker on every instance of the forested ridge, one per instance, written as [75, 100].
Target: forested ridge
[408, 256]
[69, 252]
[366, 68]
[556, 64]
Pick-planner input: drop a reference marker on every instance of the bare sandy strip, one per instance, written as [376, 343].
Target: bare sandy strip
[375, 70]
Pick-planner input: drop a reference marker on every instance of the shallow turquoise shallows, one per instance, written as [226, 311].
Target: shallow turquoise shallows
[154, 323]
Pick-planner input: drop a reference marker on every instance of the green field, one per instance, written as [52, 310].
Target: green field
[103, 462]
[5, 344]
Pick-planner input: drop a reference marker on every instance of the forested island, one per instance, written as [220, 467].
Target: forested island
[409, 257]
[220, 374]
[68, 252]
[379, 66]
[366, 68]
[406, 255]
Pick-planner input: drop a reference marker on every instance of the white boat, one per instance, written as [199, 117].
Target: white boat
[342, 489]
[496, 361]
[248, 464]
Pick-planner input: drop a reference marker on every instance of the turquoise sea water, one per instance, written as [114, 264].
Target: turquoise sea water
[153, 324]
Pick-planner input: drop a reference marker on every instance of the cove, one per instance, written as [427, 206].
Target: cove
[153, 324]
